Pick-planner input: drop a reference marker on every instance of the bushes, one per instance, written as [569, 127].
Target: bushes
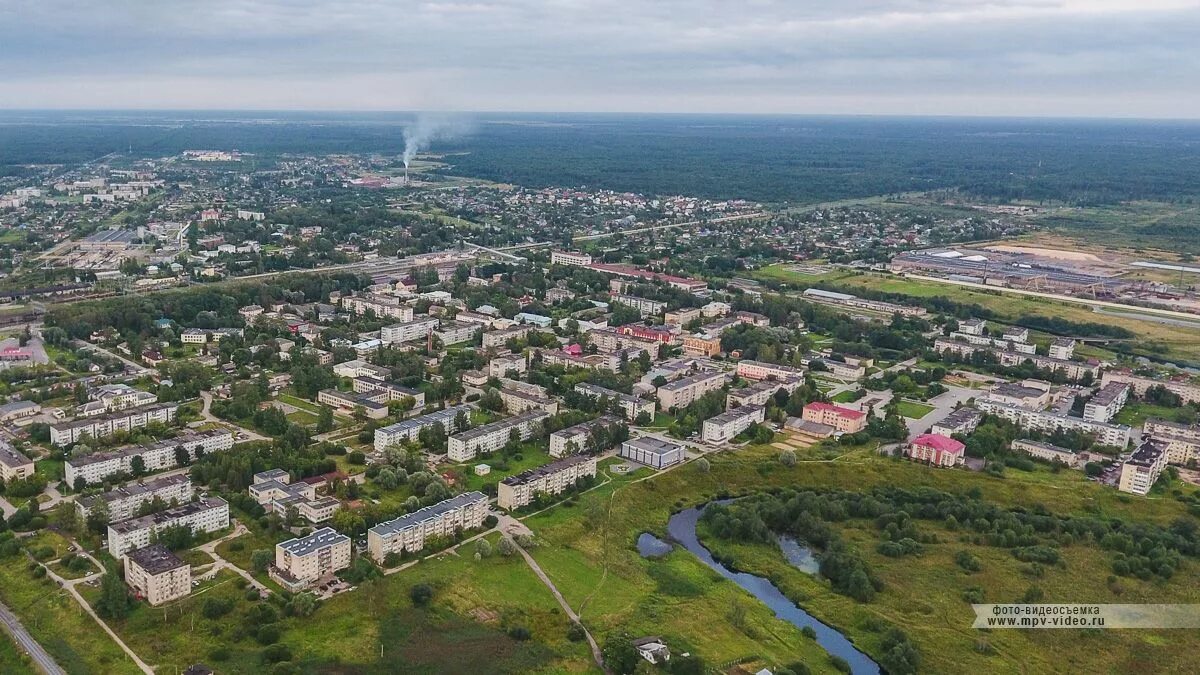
[967, 561]
[421, 594]
[215, 608]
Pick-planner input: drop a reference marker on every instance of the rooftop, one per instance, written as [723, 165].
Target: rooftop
[654, 445]
[155, 559]
[502, 425]
[427, 419]
[135, 524]
[10, 456]
[386, 529]
[319, 539]
[547, 469]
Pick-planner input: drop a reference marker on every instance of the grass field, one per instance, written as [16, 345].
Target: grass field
[302, 417]
[1135, 225]
[12, 660]
[913, 410]
[593, 561]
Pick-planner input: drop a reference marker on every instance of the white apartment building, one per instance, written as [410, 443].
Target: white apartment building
[381, 305]
[1182, 442]
[644, 306]
[14, 465]
[120, 396]
[573, 440]
[1107, 402]
[962, 421]
[1117, 435]
[492, 437]
[156, 456]
[408, 532]
[573, 258]
[205, 515]
[123, 501]
[1142, 469]
[302, 561]
[157, 574]
[631, 405]
[758, 370]
[1062, 348]
[517, 401]
[682, 392]
[724, 427]
[502, 365]
[759, 392]
[521, 489]
[409, 331]
[1184, 389]
[499, 338]
[454, 332]
[408, 430]
[1046, 451]
[998, 343]
[65, 433]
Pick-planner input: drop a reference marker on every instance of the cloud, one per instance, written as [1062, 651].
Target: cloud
[1097, 57]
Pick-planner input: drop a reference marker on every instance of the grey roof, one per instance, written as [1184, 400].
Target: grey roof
[443, 415]
[135, 524]
[733, 414]
[134, 489]
[598, 391]
[130, 450]
[502, 425]
[586, 427]
[691, 379]
[391, 527]
[269, 475]
[828, 295]
[10, 456]
[653, 445]
[1146, 454]
[1108, 393]
[322, 538]
[960, 417]
[155, 559]
[546, 469]
[120, 414]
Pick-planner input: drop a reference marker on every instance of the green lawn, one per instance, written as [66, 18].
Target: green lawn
[845, 397]
[301, 417]
[532, 455]
[12, 659]
[1136, 412]
[913, 410]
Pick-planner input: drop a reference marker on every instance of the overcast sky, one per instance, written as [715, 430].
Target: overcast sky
[1119, 58]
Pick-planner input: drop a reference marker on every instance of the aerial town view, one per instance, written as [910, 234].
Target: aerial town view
[293, 383]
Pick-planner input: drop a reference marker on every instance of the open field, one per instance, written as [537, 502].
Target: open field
[1136, 225]
[12, 660]
[913, 410]
[600, 534]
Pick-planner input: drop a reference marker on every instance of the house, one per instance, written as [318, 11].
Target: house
[937, 450]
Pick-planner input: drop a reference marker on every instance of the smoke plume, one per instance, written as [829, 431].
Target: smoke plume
[430, 127]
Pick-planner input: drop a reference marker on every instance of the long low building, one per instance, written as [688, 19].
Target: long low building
[761, 370]
[1072, 370]
[65, 433]
[122, 502]
[574, 440]
[521, 489]
[408, 430]
[302, 561]
[156, 456]
[760, 392]
[633, 406]
[847, 300]
[652, 452]
[409, 532]
[724, 427]
[1046, 451]
[517, 401]
[349, 402]
[494, 436]
[1185, 388]
[1117, 435]
[204, 515]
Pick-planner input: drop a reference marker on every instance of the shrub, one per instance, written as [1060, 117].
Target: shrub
[421, 594]
[267, 634]
[276, 653]
[519, 633]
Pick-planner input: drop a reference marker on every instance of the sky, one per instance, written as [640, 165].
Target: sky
[1092, 58]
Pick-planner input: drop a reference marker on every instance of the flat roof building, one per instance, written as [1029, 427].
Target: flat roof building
[652, 452]
[157, 575]
[491, 437]
[521, 489]
[724, 427]
[204, 515]
[14, 465]
[302, 561]
[408, 430]
[409, 532]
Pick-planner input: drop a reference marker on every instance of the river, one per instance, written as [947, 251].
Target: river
[682, 529]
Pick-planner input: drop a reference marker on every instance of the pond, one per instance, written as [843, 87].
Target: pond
[682, 529]
[650, 546]
[799, 555]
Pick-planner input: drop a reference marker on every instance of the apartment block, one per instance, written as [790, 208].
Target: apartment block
[502, 365]
[573, 258]
[499, 338]
[381, 305]
[1062, 348]
[408, 430]
[962, 421]
[573, 440]
[936, 450]
[454, 332]
[14, 465]
[1046, 451]
[681, 317]
[156, 456]
[302, 561]
[701, 344]
[123, 502]
[684, 391]
[492, 437]
[1117, 435]
[157, 575]
[724, 427]
[631, 405]
[644, 306]
[1142, 469]
[66, 433]
[1182, 441]
[758, 370]
[521, 489]
[409, 331]
[204, 515]
[517, 401]
[1184, 388]
[409, 532]
[1106, 403]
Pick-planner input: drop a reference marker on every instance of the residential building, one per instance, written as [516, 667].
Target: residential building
[682, 317]
[715, 308]
[701, 344]
[501, 366]
[684, 391]
[205, 515]
[1182, 441]
[65, 433]
[1117, 435]
[759, 370]
[303, 561]
[521, 489]
[409, 331]
[381, 305]
[1062, 348]
[840, 369]
[1140, 472]
[454, 332]
[1183, 387]
[972, 326]
[1072, 370]
[843, 419]
[724, 427]
[937, 450]
[360, 368]
[517, 401]
[120, 396]
[122, 502]
[156, 456]
[1046, 451]
[633, 406]
[157, 575]
[759, 393]
[652, 452]
[1107, 402]
[644, 306]
[491, 437]
[499, 338]
[274, 490]
[962, 421]
[408, 430]
[573, 258]
[14, 465]
[409, 532]
[1031, 394]
[575, 439]
[348, 402]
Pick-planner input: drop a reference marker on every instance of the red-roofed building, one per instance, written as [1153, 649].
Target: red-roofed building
[573, 350]
[937, 450]
[647, 333]
[844, 420]
[15, 354]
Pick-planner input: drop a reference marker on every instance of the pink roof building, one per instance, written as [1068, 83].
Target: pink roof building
[937, 450]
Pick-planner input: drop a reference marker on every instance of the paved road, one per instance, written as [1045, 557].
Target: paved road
[943, 404]
[25, 641]
[136, 368]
